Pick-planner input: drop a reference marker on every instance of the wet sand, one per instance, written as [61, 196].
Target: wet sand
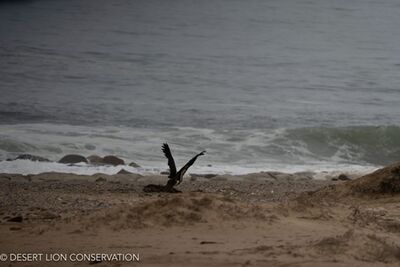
[263, 219]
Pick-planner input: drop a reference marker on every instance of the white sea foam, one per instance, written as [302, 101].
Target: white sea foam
[318, 172]
[234, 152]
[30, 167]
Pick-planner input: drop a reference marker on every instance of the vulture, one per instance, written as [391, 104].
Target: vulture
[174, 177]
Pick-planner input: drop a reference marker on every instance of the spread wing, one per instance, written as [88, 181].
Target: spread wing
[183, 170]
[171, 162]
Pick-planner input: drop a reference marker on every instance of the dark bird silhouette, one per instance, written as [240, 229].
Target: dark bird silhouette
[174, 178]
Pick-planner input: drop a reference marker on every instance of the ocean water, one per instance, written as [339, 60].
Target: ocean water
[289, 85]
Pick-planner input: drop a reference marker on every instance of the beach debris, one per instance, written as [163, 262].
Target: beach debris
[113, 160]
[174, 178]
[30, 157]
[73, 158]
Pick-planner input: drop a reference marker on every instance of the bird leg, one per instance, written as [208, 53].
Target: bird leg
[169, 187]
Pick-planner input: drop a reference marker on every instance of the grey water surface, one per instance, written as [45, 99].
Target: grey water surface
[318, 80]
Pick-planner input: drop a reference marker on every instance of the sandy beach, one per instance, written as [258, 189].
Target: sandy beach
[264, 219]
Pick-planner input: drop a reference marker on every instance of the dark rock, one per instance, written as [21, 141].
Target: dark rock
[13, 228]
[164, 173]
[72, 158]
[113, 160]
[32, 158]
[343, 177]
[135, 165]
[16, 219]
[94, 159]
[122, 171]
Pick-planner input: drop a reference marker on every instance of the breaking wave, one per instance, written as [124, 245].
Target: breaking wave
[228, 151]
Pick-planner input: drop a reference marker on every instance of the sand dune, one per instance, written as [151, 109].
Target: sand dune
[214, 222]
